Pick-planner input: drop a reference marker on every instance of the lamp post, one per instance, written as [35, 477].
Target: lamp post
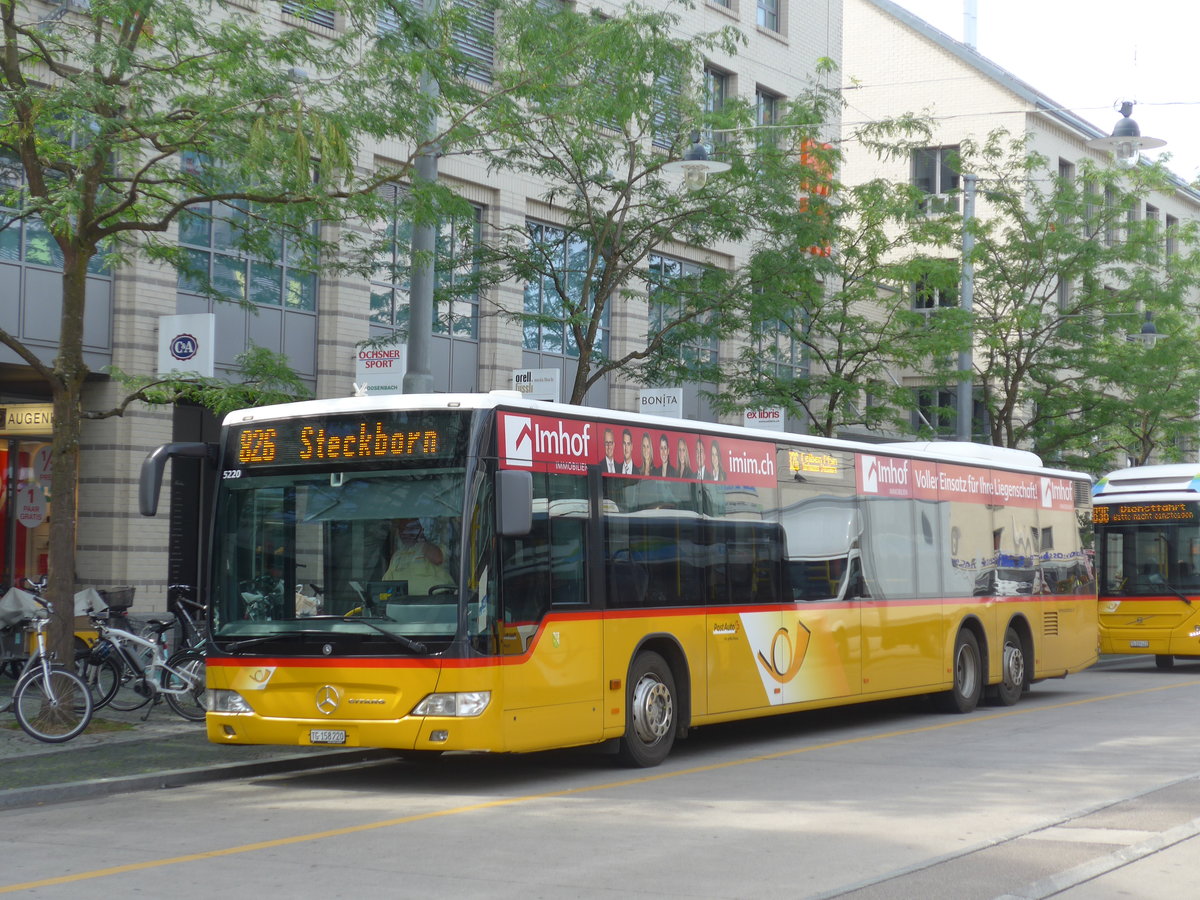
[418, 379]
[1126, 141]
[966, 364]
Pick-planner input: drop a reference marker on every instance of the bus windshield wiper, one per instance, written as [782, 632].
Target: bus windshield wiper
[264, 639]
[408, 643]
[1159, 581]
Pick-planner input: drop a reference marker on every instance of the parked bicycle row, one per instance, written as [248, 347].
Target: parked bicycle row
[117, 663]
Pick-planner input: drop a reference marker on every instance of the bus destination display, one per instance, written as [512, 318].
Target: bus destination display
[1135, 513]
[371, 437]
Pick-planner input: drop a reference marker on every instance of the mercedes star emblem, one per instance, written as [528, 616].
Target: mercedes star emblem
[328, 699]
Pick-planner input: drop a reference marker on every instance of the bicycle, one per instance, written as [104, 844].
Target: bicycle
[52, 704]
[148, 673]
[191, 623]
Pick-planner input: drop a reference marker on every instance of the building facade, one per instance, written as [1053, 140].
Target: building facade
[896, 63]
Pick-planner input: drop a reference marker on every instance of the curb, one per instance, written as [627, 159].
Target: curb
[170, 778]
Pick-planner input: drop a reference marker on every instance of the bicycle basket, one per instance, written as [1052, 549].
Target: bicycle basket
[119, 598]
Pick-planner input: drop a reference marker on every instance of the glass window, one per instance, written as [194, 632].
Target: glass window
[780, 354]
[934, 411]
[28, 239]
[666, 307]
[215, 240]
[546, 568]
[456, 269]
[933, 173]
[927, 294]
[561, 293]
[768, 14]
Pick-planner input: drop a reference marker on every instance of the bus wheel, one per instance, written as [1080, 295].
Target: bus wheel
[650, 711]
[1012, 672]
[1164, 661]
[968, 676]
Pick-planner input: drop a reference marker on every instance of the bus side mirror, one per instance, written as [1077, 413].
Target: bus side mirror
[150, 482]
[514, 502]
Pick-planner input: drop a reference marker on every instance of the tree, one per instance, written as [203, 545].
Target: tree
[1139, 403]
[1061, 264]
[829, 290]
[120, 117]
[622, 103]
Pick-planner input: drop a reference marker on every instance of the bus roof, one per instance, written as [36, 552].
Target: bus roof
[946, 451]
[1156, 481]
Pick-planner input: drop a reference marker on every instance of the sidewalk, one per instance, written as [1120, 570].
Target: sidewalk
[120, 752]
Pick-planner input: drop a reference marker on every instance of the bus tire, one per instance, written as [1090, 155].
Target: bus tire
[1012, 671]
[1164, 661]
[651, 712]
[968, 676]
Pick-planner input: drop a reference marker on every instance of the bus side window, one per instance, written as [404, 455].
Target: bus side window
[547, 567]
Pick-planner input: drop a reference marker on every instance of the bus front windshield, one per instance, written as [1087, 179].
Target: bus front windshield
[339, 553]
[1150, 558]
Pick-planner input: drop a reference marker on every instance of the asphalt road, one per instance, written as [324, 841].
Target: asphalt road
[1088, 788]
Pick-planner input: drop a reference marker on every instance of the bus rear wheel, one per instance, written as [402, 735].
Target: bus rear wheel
[650, 712]
[968, 676]
[1012, 671]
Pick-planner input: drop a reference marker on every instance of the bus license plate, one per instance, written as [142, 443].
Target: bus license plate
[1140, 644]
[326, 736]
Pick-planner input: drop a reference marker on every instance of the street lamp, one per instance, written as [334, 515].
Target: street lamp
[696, 165]
[1126, 141]
[1149, 335]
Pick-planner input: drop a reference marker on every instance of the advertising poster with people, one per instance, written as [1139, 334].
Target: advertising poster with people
[553, 444]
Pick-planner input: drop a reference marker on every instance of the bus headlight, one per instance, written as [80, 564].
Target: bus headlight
[463, 703]
[225, 702]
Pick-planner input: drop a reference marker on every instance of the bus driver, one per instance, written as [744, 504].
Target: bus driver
[416, 559]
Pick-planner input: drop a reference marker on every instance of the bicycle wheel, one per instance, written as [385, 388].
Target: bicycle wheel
[53, 707]
[102, 676]
[190, 703]
[132, 690]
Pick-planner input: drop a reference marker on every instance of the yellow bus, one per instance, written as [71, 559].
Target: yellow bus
[1147, 521]
[484, 573]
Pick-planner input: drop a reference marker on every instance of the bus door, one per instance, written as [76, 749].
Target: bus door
[752, 652]
[902, 612]
[550, 634]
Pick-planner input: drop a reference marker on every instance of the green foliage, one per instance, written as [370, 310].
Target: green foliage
[831, 325]
[1062, 273]
[596, 107]
[261, 378]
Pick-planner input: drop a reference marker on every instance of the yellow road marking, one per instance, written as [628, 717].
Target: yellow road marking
[567, 792]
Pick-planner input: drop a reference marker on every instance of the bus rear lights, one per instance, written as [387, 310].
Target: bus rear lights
[439, 737]
[229, 702]
[460, 704]
[1195, 632]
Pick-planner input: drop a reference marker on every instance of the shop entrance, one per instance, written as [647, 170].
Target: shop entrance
[24, 509]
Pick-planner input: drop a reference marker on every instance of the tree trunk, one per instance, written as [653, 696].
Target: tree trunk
[66, 390]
